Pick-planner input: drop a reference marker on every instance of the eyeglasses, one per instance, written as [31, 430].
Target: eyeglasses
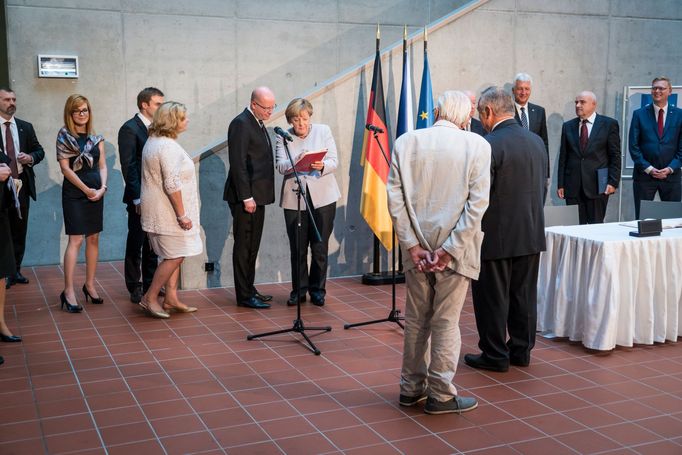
[658, 89]
[271, 108]
[85, 111]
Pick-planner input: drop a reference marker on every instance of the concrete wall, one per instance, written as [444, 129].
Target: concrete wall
[210, 54]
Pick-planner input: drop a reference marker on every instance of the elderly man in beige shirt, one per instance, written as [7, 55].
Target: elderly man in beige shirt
[438, 189]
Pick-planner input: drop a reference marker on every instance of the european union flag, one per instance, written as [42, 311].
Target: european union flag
[425, 111]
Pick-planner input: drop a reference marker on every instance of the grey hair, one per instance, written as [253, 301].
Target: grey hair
[523, 77]
[499, 101]
[454, 106]
[588, 94]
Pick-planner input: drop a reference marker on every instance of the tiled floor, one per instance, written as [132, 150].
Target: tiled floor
[111, 380]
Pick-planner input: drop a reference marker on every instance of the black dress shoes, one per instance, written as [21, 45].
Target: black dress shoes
[19, 278]
[482, 363]
[254, 302]
[1, 360]
[263, 297]
[136, 295]
[9, 338]
[8, 283]
[317, 299]
[518, 363]
[292, 300]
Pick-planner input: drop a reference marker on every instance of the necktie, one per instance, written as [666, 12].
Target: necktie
[265, 131]
[9, 149]
[661, 113]
[583, 135]
[524, 119]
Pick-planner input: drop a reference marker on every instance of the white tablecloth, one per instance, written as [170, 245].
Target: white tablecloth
[605, 288]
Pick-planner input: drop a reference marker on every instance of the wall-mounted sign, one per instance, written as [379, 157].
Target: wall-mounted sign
[58, 66]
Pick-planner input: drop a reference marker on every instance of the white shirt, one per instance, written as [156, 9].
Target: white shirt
[15, 139]
[144, 119]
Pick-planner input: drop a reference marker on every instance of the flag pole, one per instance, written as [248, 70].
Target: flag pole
[375, 277]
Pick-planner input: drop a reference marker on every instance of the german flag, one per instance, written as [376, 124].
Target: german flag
[373, 203]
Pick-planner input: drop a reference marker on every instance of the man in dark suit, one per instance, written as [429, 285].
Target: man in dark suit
[140, 260]
[474, 125]
[655, 141]
[22, 151]
[505, 294]
[530, 116]
[250, 186]
[588, 142]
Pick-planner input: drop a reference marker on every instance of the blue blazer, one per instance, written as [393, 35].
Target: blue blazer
[648, 149]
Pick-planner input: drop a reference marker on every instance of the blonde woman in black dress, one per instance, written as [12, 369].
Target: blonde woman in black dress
[81, 158]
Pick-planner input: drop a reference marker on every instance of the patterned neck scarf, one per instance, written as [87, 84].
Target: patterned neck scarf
[67, 147]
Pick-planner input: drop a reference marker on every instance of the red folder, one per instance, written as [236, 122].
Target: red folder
[305, 159]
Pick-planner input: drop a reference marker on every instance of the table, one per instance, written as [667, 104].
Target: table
[599, 285]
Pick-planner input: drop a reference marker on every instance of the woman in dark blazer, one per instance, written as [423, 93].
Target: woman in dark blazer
[322, 192]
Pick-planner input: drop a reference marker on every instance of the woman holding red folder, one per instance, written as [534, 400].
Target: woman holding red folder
[322, 192]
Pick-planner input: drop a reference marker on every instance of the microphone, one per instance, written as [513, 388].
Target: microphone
[286, 136]
[376, 129]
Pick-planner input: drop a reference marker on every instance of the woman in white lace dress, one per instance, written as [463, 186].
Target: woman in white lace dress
[170, 207]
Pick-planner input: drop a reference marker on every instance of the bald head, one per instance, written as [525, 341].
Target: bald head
[585, 104]
[262, 103]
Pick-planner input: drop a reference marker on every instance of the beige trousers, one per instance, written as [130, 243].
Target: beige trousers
[432, 337]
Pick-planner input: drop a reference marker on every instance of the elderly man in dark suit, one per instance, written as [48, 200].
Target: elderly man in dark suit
[530, 116]
[505, 293]
[590, 143]
[655, 142]
[21, 151]
[140, 260]
[250, 186]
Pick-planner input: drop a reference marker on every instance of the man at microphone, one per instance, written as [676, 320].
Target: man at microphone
[250, 186]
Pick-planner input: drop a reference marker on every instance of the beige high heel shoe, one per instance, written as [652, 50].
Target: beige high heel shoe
[155, 314]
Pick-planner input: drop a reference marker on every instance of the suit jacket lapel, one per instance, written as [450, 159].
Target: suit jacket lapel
[669, 119]
[141, 126]
[653, 121]
[532, 117]
[573, 135]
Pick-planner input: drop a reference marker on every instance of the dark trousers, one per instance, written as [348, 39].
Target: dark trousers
[247, 229]
[590, 211]
[140, 261]
[19, 227]
[312, 280]
[669, 189]
[505, 299]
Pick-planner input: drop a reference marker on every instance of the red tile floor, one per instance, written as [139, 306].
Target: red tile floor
[111, 380]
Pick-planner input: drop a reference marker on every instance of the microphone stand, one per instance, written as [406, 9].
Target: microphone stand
[298, 326]
[394, 314]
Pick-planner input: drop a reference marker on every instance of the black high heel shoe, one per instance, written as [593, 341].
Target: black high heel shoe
[96, 301]
[9, 338]
[69, 308]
